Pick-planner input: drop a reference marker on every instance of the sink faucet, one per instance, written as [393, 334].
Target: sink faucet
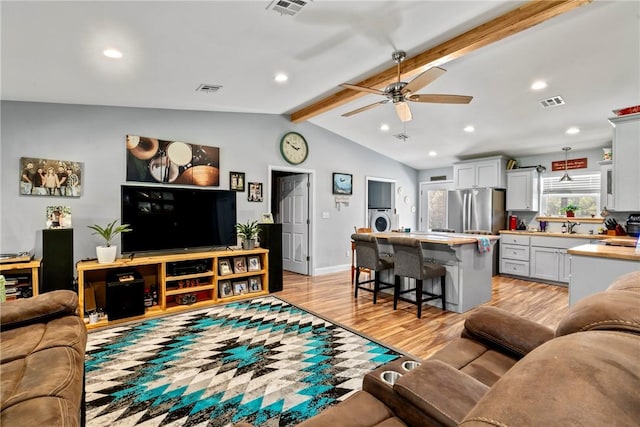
[570, 227]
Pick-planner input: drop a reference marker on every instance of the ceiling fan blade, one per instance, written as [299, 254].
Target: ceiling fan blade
[440, 99]
[365, 108]
[403, 111]
[423, 79]
[362, 89]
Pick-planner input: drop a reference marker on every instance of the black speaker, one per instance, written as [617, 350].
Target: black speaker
[57, 260]
[271, 238]
[125, 294]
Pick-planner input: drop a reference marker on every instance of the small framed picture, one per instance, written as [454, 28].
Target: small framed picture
[342, 183]
[240, 288]
[255, 192]
[254, 263]
[236, 181]
[225, 267]
[255, 284]
[239, 264]
[225, 289]
[266, 218]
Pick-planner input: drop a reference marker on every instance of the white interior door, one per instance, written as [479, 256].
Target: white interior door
[294, 211]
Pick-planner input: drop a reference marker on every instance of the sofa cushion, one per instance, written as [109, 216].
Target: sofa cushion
[475, 359]
[626, 282]
[583, 379]
[26, 311]
[609, 310]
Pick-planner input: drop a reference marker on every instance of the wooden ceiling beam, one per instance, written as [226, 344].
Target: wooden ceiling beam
[512, 22]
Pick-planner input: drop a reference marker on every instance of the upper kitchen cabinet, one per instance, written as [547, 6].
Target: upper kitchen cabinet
[522, 190]
[626, 162]
[488, 172]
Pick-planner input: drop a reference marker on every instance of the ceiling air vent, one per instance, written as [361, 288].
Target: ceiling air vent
[554, 101]
[208, 88]
[287, 7]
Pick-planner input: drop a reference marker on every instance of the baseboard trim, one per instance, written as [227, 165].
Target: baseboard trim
[332, 269]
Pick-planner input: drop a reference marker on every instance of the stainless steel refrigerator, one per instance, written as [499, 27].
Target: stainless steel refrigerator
[476, 209]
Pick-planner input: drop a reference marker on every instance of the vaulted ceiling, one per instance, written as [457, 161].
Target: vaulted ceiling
[589, 54]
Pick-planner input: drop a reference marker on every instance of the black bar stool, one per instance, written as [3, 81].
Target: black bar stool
[368, 256]
[409, 262]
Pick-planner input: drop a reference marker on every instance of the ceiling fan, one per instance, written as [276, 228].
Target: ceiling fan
[400, 92]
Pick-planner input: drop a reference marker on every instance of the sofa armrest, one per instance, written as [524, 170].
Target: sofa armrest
[506, 331]
[37, 309]
[440, 391]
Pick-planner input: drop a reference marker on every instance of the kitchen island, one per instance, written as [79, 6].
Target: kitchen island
[469, 271]
[594, 268]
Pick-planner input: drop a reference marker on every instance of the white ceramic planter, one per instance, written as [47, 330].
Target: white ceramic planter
[106, 254]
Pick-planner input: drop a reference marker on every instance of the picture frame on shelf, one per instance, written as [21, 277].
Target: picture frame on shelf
[225, 289]
[225, 267]
[240, 288]
[255, 284]
[239, 264]
[253, 262]
[236, 181]
[342, 183]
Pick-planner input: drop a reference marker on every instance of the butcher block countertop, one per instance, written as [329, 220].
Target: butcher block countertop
[552, 234]
[441, 238]
[606, 251]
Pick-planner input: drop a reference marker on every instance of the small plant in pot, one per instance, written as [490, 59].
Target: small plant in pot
[248, 233]
[570, 210]
[107, 253]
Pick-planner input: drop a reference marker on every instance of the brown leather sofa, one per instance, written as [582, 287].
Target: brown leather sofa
[508, 371]
[42, 346]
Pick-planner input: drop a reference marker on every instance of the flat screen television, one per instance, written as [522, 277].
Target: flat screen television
[177, 219]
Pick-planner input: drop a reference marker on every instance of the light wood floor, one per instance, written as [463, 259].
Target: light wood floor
[331, 296]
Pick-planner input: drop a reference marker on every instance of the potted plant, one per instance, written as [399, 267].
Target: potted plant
[569, 210]
[107, 253]
[248, 233]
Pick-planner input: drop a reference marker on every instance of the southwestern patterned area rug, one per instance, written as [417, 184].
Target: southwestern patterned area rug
[262, 361]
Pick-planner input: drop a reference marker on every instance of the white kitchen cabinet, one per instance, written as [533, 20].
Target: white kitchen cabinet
[522, 190]
[514, 255]
[626, 162]
[606, 184]
[488, 172]
[549, 259]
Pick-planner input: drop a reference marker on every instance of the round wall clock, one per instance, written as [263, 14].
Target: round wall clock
[294, 148]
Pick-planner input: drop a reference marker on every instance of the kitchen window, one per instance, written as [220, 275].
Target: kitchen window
[583, 191]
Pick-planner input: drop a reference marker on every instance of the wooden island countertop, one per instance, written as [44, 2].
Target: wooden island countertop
[606, 251]
[450, 239]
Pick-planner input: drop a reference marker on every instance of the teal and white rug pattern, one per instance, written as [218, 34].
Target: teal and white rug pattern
[261, 361]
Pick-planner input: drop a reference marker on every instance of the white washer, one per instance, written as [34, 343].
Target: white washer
[380, 219]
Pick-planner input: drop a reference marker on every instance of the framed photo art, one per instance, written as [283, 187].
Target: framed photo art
[255, 284]
[47, 177]
[225, 267]
[239, 264]
[240, 288]
[254, 263]
[342, 183]
[225, 289]
[236, 181]
[255, 192]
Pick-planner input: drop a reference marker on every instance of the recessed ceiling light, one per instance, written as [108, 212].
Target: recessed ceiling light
[572, 130]
[281, 77]
[469, 128]
[433, 153]
[538, 85]
[384, 127]
[112, 53]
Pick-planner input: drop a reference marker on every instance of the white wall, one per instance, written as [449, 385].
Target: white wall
[95, 135]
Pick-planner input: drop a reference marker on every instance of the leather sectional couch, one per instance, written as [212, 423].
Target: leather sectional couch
[508, 371]
[42, 346]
